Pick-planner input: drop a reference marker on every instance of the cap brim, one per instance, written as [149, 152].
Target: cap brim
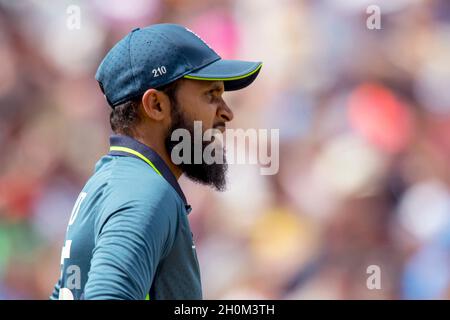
[235, 74]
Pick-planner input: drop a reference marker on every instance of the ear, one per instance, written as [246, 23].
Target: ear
[156, 105]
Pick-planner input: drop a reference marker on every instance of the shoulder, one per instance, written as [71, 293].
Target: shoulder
[133, 179]
[133, 189]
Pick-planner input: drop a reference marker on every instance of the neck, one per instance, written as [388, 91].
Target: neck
[160, 149]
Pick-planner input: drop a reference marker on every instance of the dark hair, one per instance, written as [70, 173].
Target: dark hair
[124, 117]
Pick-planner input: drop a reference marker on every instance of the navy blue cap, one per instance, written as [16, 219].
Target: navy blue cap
[154, 56]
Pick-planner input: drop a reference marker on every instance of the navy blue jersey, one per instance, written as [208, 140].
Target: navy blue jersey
[128, 236]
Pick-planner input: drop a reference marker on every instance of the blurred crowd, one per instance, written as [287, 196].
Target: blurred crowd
[364, 120]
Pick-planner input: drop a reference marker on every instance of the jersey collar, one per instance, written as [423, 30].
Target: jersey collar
[121, 145]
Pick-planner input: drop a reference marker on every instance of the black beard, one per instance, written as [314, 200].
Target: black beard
[208, 174]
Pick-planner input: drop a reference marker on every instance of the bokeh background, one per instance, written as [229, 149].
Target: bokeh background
[364, 119]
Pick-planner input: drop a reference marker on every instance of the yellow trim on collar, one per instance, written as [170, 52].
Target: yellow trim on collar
[137, 154]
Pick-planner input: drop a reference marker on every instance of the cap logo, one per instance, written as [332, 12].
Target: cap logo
[159, 71]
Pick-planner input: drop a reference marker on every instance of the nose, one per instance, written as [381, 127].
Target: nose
[225, 113]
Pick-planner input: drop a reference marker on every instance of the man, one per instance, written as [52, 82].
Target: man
[128, 236]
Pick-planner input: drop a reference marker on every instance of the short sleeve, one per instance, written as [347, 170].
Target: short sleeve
[131, 242]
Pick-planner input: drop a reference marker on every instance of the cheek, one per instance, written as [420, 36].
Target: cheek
[206, 113]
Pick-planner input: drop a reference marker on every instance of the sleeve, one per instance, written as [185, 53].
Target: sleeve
[129, 246]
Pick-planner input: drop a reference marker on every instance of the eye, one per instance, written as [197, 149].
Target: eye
[211, 95]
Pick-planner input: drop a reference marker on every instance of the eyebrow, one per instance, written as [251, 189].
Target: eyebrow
[216, 86]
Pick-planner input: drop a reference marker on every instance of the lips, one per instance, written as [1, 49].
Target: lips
[221, 128]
